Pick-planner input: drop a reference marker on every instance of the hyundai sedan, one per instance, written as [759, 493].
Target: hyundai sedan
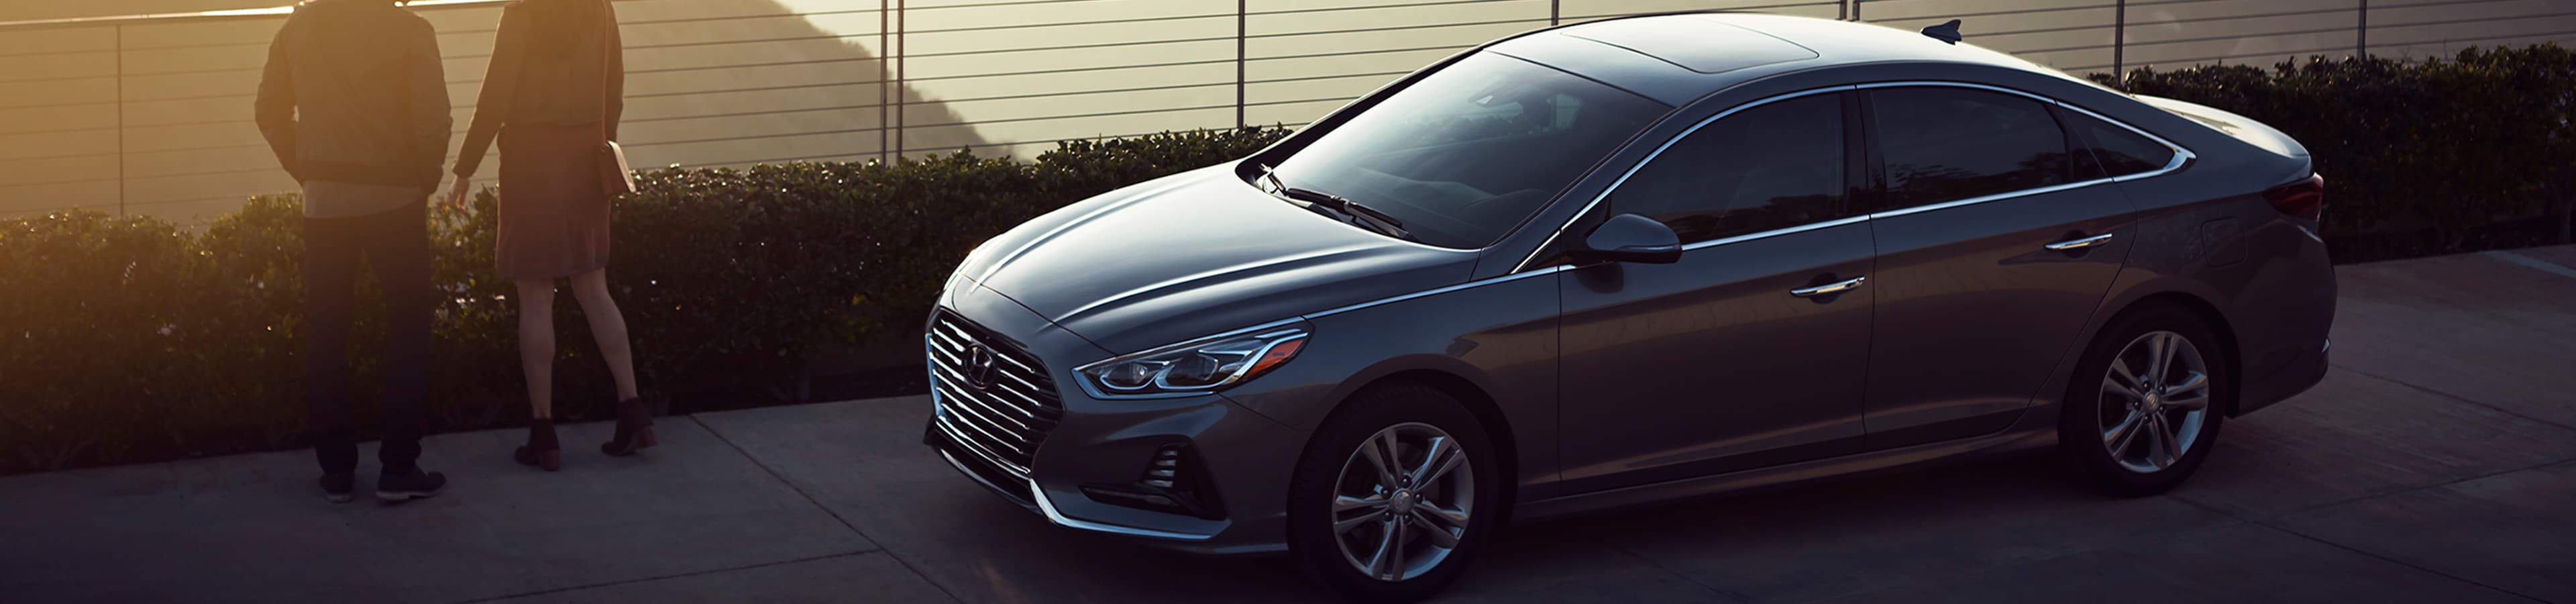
[1626, 262]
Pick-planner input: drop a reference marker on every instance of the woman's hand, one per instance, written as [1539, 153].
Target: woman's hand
[456, 193]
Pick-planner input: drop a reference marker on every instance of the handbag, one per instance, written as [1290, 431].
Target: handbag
[616, 177]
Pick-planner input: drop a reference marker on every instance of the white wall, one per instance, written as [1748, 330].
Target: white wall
[154, 118]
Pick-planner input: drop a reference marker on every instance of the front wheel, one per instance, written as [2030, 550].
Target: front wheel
[2144, 408]
[1393, 495]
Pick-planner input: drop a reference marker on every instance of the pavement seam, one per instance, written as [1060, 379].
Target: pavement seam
[2251, 516]
[2455, 397]
[2531, 263]
[2310, 508]
[818, 504]
[2295, 533]
[1659, 566]
[557, 590]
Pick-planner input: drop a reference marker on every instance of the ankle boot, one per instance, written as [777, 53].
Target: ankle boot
[541, 451]
[634, 429]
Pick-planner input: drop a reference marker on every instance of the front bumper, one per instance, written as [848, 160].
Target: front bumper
[1241, 460]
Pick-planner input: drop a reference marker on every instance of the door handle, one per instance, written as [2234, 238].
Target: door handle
[2077, 244]
[1829, 288]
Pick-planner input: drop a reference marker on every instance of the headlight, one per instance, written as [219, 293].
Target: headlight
[1198, 366]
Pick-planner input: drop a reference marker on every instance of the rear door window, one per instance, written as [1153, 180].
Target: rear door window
[1943, 144]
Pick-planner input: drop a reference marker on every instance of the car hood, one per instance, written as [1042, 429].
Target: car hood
[1194, 254]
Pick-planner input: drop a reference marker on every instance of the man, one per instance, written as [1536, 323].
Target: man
[354, 103]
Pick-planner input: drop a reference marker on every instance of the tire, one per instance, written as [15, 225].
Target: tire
[1336, 465]
[2095, 407]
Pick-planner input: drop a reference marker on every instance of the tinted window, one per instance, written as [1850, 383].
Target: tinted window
[2121, 151]
[1947, 144]
[1772, 166]
[1468, 152]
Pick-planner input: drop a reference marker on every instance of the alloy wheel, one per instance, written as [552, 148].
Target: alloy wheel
[1401, 502]
[2154, 402]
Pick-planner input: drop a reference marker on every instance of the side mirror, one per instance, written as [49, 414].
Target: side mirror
[1631, 238]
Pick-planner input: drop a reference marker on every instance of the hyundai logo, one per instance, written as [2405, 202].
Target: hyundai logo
[980, 366]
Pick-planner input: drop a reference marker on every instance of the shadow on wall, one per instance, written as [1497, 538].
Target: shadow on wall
[764, 86]
[711, 83]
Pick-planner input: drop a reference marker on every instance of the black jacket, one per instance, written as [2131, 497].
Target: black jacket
[354, 93]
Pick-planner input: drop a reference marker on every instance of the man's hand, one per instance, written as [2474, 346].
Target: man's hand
[456, 193]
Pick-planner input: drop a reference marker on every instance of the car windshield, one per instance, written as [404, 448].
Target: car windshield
[1467, 153]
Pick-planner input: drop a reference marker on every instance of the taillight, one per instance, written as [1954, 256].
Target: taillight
[2304, 199]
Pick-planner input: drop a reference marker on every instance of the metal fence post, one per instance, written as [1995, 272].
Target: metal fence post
[1242, 15]
[886, 93]
[2119, 41]
[898, 79]
[120, 120]
[2361, 32]
[1555, 13]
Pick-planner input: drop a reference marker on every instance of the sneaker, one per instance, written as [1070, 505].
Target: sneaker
[339, 488]
[397, 488]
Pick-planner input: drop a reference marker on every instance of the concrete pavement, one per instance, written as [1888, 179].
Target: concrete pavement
[2437, 463]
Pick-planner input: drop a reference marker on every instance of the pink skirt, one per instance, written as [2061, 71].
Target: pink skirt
[554, 214]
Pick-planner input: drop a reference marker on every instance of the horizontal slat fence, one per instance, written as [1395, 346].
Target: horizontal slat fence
[151, 115]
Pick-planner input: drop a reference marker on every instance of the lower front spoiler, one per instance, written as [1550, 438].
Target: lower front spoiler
[1029, 495]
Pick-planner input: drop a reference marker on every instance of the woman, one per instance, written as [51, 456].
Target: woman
[553, 95]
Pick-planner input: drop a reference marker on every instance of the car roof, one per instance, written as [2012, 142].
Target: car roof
[1676, 58]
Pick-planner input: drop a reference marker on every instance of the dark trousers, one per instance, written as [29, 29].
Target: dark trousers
[396, 244]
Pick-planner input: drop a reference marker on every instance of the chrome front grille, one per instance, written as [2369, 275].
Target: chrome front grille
[995, 400]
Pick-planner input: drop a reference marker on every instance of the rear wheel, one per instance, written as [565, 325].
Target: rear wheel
[1393, 495]
[2144, 409]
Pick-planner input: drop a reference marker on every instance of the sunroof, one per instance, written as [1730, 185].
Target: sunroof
[1698, 44]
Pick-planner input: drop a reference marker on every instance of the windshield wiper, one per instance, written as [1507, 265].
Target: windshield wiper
[1353, 212]
[1385, 223]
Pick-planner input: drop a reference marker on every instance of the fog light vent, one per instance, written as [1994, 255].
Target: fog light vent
[1174, 481]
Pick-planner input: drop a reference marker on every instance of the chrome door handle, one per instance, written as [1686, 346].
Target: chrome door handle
[1829, 288]
[2077, 244]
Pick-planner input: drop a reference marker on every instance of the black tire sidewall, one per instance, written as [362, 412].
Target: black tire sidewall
[1310, 492]
[2079, 436]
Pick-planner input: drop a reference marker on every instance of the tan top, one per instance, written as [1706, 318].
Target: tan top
[556, 62]
[326, 199]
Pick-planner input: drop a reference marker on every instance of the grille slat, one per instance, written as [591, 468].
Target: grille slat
[986, 411]
[1003, 423]
[1009, 435]
[989, 457]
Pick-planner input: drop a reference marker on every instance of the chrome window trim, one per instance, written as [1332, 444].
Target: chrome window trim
[2182, 156]
[1659, 152]
[1778, 232]
[1982, 199]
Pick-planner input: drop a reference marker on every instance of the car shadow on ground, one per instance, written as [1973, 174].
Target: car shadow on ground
[1803, 542]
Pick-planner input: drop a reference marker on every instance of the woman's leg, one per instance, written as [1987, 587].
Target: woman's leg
[537, 344]
[609, 327]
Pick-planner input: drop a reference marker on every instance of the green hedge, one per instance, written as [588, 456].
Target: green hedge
[2451, 145]
[130, 339]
